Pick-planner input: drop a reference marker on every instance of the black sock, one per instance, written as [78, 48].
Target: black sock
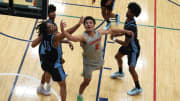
[137, 84]
[120, 70]
[116, 15]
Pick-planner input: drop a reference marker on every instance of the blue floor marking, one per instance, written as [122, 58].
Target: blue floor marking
[14, 37]
[103, 99]
[174, 2]
[22, 61]
[100, 75]
[107, 68]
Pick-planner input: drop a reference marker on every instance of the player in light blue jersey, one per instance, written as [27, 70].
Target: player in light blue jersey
[51, 20]
[130, 47]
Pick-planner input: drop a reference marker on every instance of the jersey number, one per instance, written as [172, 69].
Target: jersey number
[47, 45]
[97, 46]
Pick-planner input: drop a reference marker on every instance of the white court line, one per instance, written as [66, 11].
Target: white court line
[29, 77]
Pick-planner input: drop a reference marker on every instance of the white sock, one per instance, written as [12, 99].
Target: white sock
[48, 86]
[42, 85]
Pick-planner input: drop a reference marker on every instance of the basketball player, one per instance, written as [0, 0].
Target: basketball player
[130, 47]
[90, 42]
[106, 10]
[50, 53]
[52, 15]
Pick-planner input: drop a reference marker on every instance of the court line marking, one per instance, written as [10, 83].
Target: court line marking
[112, 42]
[100, 25]
[107, 68]
[12, 37]
[14, 84]
[20, 39]
[150, 26]
[155, 23]
[22, 61]
[173, 2]
[31, 78]
[101, 70]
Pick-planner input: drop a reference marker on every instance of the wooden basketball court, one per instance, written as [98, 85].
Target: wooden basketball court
[158, 69]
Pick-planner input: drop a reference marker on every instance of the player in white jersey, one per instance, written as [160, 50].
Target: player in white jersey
[90, 41]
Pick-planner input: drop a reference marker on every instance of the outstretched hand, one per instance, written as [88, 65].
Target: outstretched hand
[62, 25]
[71, 46]
[81, 20]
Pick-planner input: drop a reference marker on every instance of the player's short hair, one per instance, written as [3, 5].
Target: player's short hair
[51, 8]
[89, 18]
[135, 8]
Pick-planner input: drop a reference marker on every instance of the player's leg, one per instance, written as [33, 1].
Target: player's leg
[108, 25]
[41, 88]
[45, 77]
[103, 12]
[132, 60]
[137, 89]
[118, 57]
[43, 80]
[59, 76]
[48, 82]
[83, 86]
[87, 73]
[103, 9]
[112, 15]
[63, 91]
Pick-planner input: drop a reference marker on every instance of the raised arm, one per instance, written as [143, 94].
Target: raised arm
[77, 38]
[119, 32]
[116, 32]
[76, 26]
[103, 32]
[123, 43]
[122, 31]
[59, 36]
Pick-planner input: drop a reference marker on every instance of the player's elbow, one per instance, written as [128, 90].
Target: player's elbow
[33, 45]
